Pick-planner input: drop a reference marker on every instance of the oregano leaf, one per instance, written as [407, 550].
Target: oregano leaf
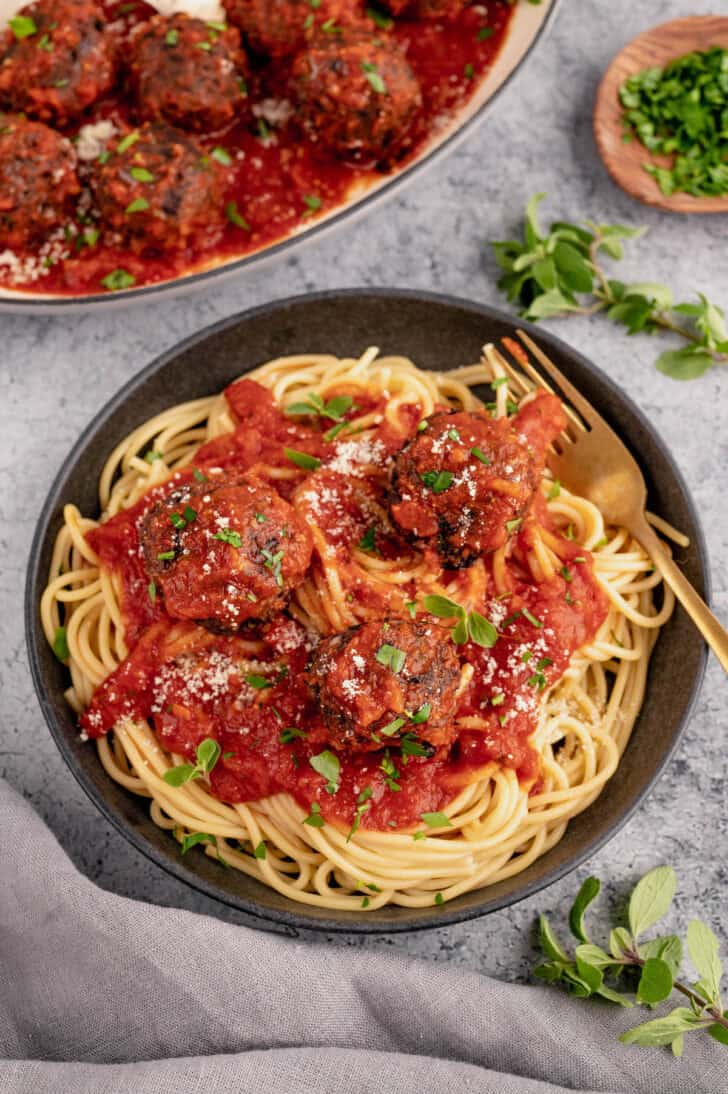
[655, 982]
[587, 893]
[703, 950]
[651, 898]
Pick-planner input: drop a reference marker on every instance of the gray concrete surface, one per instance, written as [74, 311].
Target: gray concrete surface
[56, 373]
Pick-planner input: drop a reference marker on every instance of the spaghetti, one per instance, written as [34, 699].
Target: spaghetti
[551, 632]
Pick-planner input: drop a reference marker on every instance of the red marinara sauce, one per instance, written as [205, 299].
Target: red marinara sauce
[277, 179]
[192, 684]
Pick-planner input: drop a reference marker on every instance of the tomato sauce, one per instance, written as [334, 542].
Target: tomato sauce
[193, 684]
[273, 176]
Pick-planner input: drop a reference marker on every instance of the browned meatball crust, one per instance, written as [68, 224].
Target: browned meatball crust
[223, 552]
[357, 94]
[58, 60]
[426, 9]
[159, 189]
[463, 482]
[279, 28]
[38, 180]
[188, 73]
[380, 681]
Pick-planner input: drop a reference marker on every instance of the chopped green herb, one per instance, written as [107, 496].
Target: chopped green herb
[22, 26]
[126, 142]
[272, 561]
[567, 574]
[391, 657]
[365, 902]
[291, 734]
[513, 525]
[118, 279]
[177, 520]
[236, 218]
[497, 700]
[485, 32]
[260, 851]
[198, 476]
[152, 591]
[437, 481]
[453, 434]
[208, 753]
[439, 898]
[171, 38]
[480, 455]
[531, 618]
[258, 682]
[60, 644]
[390, 729]
[312, 203]
[436, 820]
[221, 155]
[141, 174]
[422, 425]
[374, 77]
[260, 517]
[555, 490]
[411, 606]
[419, 835]
[367, 541]
[227, 535]
[152, 457]
[314, 819]
[189, 514]
[302, 459]
[328, 766]
[469, 71]
[421, 715]
[165, 556]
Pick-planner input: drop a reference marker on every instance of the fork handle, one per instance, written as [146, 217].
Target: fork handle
[711, 628]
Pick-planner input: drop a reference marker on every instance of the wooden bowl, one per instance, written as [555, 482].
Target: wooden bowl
[625, 161]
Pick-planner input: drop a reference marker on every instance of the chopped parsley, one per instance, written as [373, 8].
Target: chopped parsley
[302, 459]
[228, 535]
[328, 766]
[118, 279]
[235, 217]
[152, 591]
[208, 753]
[390, 729]
[221, 155]
[391, 657]
[436, 820]
[22, 26]
[255, 680]
[391, 774]
[198, 476]
[437, 481]
[367, 541]
[288, 736]
[555, 490]
[439, 899]
[411, 606]
[314, 819]
[165, 556]
[421, 715]
[513, 525]
[141, 174]
[60, 644]
[273, 562]
[480, 455]
[374, 77]
[259, 851]
[171, 38]
[362, 804]
[312, 202]
[126, 142]
[384, 22]
[532, 618]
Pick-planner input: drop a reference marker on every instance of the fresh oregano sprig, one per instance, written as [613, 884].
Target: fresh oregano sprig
[470, 625]
[560, 273]
[649, 968]
[207, 754]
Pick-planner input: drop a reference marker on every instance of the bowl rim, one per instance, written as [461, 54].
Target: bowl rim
[26, 302]
[278, 918]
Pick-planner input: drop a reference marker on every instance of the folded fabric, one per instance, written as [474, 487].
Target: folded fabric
[103, 995]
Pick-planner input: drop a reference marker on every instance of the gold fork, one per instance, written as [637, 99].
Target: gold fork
[591, 460]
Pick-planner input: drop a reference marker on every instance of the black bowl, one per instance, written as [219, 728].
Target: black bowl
[437, 332]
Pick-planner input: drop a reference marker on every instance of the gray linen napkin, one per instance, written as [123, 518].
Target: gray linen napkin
[104, 995]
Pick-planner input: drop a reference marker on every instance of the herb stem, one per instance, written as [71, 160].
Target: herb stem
[632, 958]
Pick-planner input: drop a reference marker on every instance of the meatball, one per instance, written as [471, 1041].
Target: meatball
[188, 73]
[356, 94]
[426, 9]
[38, 180]
[225, 551]
[377, 682]
[159, 189]
[465, 481]
[279, 28]
[57, 60]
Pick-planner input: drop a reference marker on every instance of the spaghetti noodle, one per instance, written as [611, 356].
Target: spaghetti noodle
[546, 698]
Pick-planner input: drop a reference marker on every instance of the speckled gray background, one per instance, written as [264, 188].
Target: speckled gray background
[56, 373]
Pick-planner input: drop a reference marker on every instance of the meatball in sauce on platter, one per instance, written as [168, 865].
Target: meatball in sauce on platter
[278, 114]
